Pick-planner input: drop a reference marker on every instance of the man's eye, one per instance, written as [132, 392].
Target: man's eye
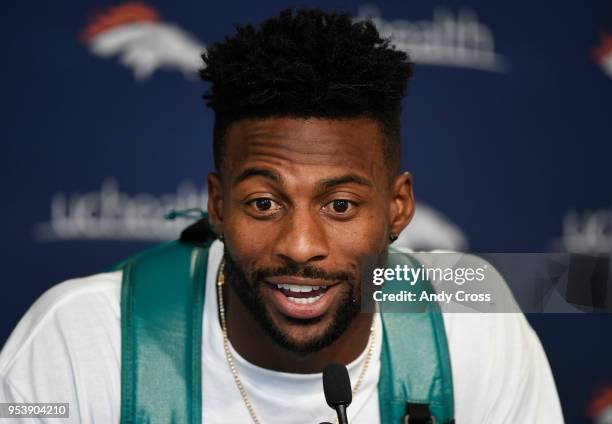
[340, 206]
[264, 205]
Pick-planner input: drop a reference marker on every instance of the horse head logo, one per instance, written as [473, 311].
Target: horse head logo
[135, 33]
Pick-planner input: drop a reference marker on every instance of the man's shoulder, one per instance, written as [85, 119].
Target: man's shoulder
[473, 333]
[66, 311]
[67, 348]
[70, 292]
[77, 295]
[498, 362]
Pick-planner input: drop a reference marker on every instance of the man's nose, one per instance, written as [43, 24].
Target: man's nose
[302, 238]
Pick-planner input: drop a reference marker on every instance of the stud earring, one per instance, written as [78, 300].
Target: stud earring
[393, 237]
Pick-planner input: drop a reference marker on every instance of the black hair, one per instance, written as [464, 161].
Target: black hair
[307, 64]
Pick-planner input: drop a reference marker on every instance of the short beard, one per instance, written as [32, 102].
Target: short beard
[250, 296]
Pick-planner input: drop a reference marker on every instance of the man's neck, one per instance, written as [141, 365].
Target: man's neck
[254, 344]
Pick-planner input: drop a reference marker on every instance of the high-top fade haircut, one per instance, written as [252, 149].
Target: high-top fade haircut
[307, 64]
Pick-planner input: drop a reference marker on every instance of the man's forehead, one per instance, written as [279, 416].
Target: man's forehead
[351, 142]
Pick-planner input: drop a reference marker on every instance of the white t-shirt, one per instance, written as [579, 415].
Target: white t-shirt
[67, 348]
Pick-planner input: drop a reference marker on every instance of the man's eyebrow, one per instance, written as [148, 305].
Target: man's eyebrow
[257, 172]
[345, 179]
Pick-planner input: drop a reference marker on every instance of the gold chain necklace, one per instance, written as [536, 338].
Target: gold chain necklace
[230, 358]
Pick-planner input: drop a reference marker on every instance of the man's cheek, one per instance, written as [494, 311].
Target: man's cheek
[359, 250]
[246, 240]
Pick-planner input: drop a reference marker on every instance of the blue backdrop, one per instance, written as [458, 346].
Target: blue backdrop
[507, 132]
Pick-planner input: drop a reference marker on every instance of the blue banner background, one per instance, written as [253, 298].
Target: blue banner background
[509, 157]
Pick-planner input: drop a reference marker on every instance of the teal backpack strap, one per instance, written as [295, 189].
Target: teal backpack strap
[415, 383]
[162, 301]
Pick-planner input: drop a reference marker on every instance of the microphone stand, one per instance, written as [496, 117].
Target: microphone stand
[341, 411]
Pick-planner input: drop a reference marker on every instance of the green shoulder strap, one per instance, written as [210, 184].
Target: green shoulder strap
[161, 315]
[162, 300]
[415, 373]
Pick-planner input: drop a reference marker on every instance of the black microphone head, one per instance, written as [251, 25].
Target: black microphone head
[337, 385]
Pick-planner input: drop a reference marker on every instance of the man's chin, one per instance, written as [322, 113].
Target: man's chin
[302, 336]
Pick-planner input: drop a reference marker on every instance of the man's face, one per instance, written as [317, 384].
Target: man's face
[303, 204]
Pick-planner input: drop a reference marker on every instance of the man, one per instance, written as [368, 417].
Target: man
[307, 189]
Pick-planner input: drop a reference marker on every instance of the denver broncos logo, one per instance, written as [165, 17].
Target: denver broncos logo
[136, 34]
[603, 54]
[600, 409]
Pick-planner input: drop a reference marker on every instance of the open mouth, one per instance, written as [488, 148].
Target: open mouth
[303, 295]
[301, 301]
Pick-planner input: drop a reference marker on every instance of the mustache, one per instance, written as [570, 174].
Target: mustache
[307, 271]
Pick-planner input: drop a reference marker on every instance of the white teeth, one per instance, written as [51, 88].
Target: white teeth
[296, 288]
[304, 300]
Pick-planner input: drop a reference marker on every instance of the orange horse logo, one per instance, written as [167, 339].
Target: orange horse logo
[135, 33]
[600, 409]
[603, 54]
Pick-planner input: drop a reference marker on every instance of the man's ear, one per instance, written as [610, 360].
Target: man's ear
[215, 201]
[402, 203]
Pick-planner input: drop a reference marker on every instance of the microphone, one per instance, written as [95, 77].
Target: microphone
[337, 389]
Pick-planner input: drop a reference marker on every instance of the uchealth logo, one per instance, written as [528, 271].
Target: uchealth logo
[112, 214]
[136, 34]
[449, 39]
[603, 54]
